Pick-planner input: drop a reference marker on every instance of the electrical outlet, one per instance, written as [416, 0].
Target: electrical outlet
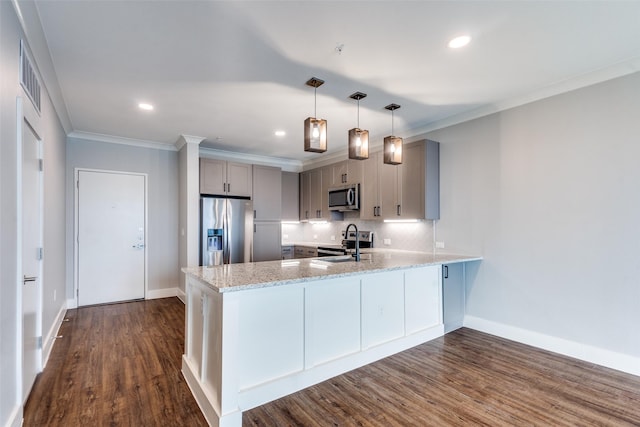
[333, 237]
[285, 236]
[386, 241]
[439, 245]
[55, 295]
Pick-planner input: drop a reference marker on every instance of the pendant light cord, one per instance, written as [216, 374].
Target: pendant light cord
[358, 121]
[392, 133]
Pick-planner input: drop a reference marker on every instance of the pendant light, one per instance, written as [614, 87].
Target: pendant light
[358, 138]
[392, 144]
[315, 130]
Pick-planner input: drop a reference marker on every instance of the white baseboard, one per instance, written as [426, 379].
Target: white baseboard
[72, 303]
[15, 419]
[599, 356]
[180, 294]
[161, 293]
[50, 338]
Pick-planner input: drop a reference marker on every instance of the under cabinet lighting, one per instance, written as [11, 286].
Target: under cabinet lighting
[290, 222]
[402, 220]
[318, 222]
[145, 106]
[290, 263]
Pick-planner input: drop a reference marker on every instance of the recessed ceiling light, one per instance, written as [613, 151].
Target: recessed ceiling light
[280, 133]
[145, 106]
[459, 42]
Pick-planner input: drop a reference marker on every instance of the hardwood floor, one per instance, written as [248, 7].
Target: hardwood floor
[119, 365]
[464, 378]
[116, 365]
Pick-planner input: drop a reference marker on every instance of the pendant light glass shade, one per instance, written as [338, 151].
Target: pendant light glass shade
[358, 144]
[358, 138]
[315, 130]
[392, 144]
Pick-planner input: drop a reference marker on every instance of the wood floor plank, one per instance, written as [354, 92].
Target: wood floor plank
[119, 365]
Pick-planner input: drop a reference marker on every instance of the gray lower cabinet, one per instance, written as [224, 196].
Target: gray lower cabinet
[266, 241]
[453, 296]
[287, 251]
[305, 252]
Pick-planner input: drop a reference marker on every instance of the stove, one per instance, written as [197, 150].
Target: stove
[365, 237]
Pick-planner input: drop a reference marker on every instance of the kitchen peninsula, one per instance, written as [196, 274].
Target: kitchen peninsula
[259, 331]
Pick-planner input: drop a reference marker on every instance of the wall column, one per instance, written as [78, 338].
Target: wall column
[189, 197]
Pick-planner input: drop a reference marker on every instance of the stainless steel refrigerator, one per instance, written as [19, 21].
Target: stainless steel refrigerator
[226, 227]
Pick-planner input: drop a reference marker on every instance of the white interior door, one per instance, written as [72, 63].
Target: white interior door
[31, 258]
[111, 237]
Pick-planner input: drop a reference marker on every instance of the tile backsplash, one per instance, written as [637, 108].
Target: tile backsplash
[416, 236]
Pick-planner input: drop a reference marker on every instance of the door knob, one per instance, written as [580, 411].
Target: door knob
[27, 279]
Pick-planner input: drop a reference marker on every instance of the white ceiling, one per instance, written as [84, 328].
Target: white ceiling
[235, 71]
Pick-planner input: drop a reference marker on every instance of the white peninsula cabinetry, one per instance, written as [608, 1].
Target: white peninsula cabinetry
[247, 347]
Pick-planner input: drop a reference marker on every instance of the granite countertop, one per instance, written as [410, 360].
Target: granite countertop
[252, 275]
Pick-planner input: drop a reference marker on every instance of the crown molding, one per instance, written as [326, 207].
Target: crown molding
[287, 165]
[29, 18]
[98, 137]
[622, 68]
[188, 139]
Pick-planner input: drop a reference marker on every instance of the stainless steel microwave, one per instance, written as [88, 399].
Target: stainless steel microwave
[344, 198]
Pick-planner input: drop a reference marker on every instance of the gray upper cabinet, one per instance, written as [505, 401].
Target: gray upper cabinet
[410, 190]
[219, 177]
[290, 196]
[312, 197]
[346, 172]
[267, 193]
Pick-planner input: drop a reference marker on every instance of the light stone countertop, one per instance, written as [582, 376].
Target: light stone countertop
[253, 275]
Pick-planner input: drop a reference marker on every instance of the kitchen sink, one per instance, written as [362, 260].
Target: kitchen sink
[345, 258]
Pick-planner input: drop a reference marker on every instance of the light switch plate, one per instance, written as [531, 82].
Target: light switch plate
[386, 241]
[439, 245]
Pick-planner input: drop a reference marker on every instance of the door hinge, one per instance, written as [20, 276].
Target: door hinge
[40, 165]
[40, 254]
[39, 342]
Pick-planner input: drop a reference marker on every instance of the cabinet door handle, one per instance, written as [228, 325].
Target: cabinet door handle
[224, 187]
[228, 188]
[255, 215]
[379, 214]
[306, 214]
[446, 271]
[255, 230]
[398, 210]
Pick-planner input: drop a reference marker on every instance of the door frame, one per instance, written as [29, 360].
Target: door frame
[26, 114]
[76, 229]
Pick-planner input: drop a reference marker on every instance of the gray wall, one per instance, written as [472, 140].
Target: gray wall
[53, 222]
[162, 169]
[548, 193]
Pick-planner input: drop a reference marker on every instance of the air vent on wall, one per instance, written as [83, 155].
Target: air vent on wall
[28, 77]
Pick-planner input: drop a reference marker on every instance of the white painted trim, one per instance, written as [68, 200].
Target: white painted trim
[287, 165]
[72, 303]
[76, 228]
[162, 293]
[15, 419]
[587, 353]
[187, 139]
[98, 137]
[51, 335]
[622, 68]
[181, 295]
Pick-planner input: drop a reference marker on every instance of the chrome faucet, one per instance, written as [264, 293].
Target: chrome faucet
[346, 235]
